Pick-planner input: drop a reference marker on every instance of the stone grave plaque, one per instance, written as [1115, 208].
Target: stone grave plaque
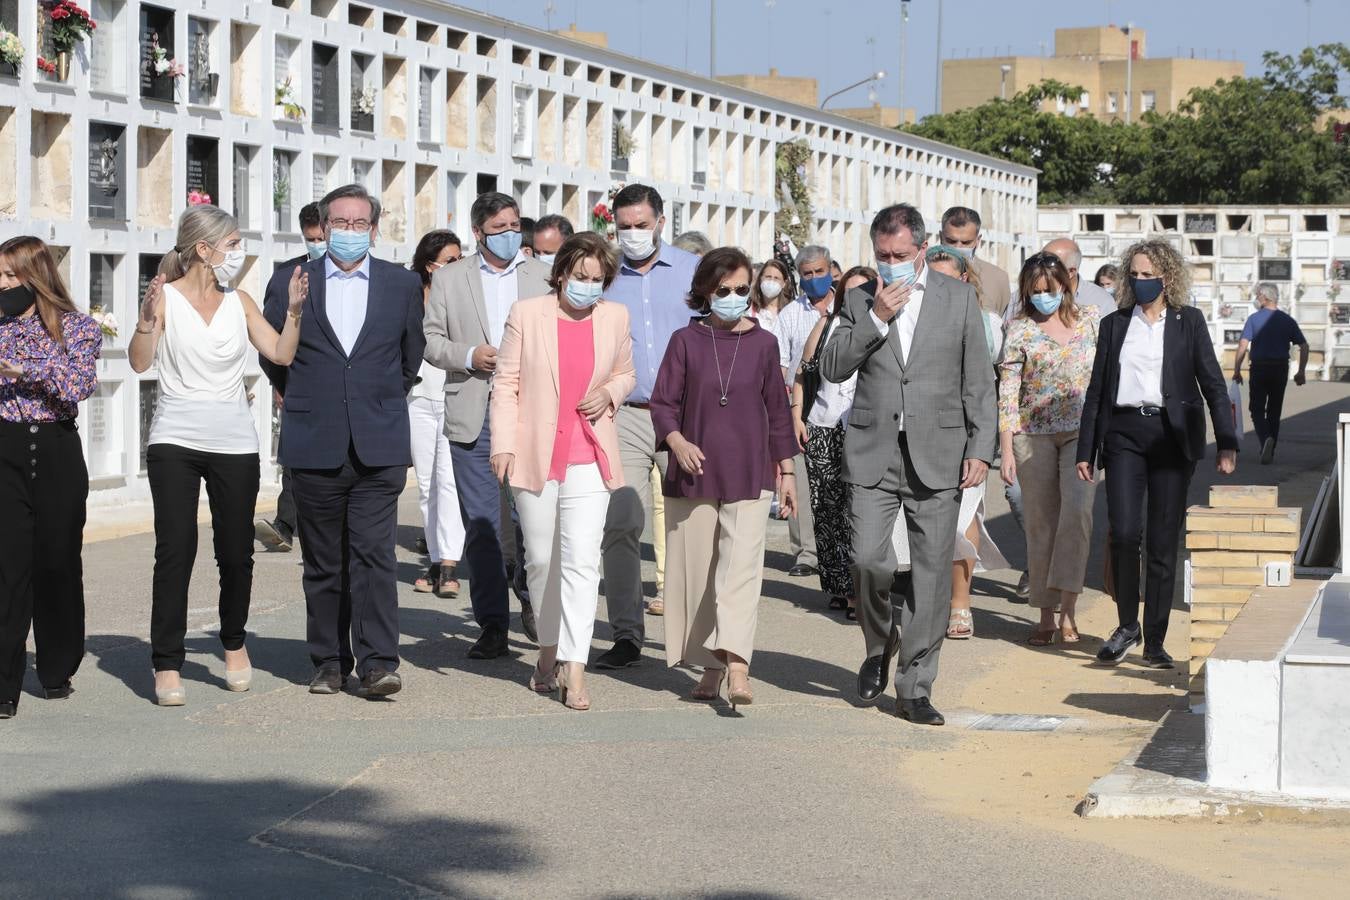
[107, 171]
[156, 30]
[1201, 223]
[325, 74]
[203, 169]
[1274, 270]
[362, 119]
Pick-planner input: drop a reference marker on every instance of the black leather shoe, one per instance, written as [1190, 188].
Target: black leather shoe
[379, 683]
[919, 711]
[1120, 642]
[623, 654]
[8, 710]
[802, 570]
[276, 537]
[490, 644]
[327, 680]
[1158, 659]
[527, 623]
[872, 675]
[60, 692]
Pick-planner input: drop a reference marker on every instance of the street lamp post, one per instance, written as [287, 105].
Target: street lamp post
[1003, 81]
[937, 82]
[900, 75]
[875, 76]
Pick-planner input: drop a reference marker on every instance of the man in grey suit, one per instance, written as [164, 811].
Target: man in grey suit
[465, 317]
[923, 427]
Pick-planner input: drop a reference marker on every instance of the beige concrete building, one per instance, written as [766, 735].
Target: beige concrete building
[1095, 59]
[806, 92]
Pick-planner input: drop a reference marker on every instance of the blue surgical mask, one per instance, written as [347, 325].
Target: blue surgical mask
[817, 287]
[546, 258]
[901, 271]
[965, 252]
[1146, 290]
[583, 294]
[503, 245]
[731, 307]
[316, 249]
[1047, 303]
[348, 246]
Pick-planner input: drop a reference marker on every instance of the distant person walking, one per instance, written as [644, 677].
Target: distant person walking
[1267, 336]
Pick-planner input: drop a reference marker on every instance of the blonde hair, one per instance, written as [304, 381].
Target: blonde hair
[207, 223]
[1167, 263]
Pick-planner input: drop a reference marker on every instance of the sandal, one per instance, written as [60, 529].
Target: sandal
[960, 625]
[656, 606]
[446, 584]
[427, 583]
[542, 682]
[851, 614]
[698, 693]
[1042, 637]
[1068, 634]
[838, 602]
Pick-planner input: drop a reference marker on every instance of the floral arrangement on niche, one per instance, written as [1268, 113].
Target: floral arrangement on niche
[364, 101]
[67, 24]
[163, 64]
[46, 65]
[286, 99]
[602, 220]
[107, 322]
[11, 48]
[281, 190]
[199, 198]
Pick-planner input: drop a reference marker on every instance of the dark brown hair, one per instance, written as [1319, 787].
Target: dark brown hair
[35, 268]
[712, 268]
[581, 247]
[1053, 269]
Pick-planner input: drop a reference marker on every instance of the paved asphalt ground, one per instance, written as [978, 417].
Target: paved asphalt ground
[466, 784]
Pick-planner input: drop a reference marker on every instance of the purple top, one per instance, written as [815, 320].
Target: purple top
[54, 379]
[743, 441]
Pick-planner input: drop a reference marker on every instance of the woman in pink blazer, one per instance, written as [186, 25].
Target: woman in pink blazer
[565, 366]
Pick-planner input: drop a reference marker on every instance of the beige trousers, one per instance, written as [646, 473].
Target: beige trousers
[658, 530]
[714, 572]
[1057, 510]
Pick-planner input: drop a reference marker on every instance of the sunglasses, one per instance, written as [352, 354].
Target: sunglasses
[724, 291]
[1044, 259]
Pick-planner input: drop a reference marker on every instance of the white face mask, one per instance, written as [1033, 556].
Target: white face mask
[228, 270]
[637, 243]
[769, 288]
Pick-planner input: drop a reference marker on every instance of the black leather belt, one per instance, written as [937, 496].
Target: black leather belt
[1141, 410]
[639, 405]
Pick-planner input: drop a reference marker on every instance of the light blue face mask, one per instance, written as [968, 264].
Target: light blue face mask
[348, 246]
[316, 249]
[901, 271]
[583, 294]
[546, 258]
[504, 245]
[1045, 303]
[731, 307]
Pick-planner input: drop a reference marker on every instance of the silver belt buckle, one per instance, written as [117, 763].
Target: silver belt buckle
[1147, 411]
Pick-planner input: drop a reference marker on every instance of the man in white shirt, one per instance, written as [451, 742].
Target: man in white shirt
[465, 317]
[1085, 293]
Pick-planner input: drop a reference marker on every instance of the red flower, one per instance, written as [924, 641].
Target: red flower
[46, 65]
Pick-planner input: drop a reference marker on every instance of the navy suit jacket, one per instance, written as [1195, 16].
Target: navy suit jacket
[332, 401]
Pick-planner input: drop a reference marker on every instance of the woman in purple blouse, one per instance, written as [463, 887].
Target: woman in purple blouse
[720, 410]
[48, 364]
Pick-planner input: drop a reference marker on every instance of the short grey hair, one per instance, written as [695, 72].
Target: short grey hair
[811, 253]
[893, 218]
[1266, 290]
[350, 190]
[695, 242]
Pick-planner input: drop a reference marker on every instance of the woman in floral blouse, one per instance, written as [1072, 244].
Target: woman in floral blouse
[1043, 376]
[48, 364]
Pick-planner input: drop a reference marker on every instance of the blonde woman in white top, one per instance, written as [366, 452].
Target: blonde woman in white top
[197, 331]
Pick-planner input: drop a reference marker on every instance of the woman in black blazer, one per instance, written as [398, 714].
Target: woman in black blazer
[1144, 422]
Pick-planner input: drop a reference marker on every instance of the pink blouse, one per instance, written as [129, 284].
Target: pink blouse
[575, 443]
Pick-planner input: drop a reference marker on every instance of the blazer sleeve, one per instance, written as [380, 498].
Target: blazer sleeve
[978, 395]
[276, 299]
[414, 341]
[504, 408]
[623, 378]
[1212, 385]
[1092, 400]
[667, 401]
[441, 351]
[855, 339]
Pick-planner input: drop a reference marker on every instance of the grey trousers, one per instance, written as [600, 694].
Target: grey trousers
[930, 516]
[802, 527]
[629, 509]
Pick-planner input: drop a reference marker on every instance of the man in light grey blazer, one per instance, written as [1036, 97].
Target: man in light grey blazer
[924, 426]
[465, 317]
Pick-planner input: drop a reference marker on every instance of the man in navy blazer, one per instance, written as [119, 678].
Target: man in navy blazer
[345, 438]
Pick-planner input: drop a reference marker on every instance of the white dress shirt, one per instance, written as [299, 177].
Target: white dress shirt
[1141, 362]
[346, 295]
[906, 320]
[500, 291]
[833, 400]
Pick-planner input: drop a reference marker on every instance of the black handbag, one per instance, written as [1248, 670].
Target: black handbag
[811, 372]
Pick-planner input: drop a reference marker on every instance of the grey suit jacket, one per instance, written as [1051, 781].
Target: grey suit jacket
[456, 322]
[995, 286]
[945, 390]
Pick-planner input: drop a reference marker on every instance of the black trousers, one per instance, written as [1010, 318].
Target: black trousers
[176, 476]
[43, 489]
[348, 520]
[286, 502]
[1146, 474]
[1266, 382]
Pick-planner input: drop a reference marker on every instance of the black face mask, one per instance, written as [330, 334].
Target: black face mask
[16, 300]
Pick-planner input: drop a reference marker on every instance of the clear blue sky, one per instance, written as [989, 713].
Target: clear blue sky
[828, 40]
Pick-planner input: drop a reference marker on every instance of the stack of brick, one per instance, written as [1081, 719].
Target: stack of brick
[1230, 542]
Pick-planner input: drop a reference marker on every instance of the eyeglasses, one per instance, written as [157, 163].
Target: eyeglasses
[724, 291]
[349, 224]
[1049, 260]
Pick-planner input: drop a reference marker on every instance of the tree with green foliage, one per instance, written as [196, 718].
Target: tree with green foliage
[1244, 140]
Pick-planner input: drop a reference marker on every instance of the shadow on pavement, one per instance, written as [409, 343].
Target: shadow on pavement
[127, 658]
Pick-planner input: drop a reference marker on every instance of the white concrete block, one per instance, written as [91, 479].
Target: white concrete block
[1242, 723]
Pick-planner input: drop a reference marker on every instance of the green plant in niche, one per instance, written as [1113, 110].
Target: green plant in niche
[624, 144]
[794, 197]
[281, 190]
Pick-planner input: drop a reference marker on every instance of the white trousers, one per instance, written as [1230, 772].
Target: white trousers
[563, 526]
[436, 493]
